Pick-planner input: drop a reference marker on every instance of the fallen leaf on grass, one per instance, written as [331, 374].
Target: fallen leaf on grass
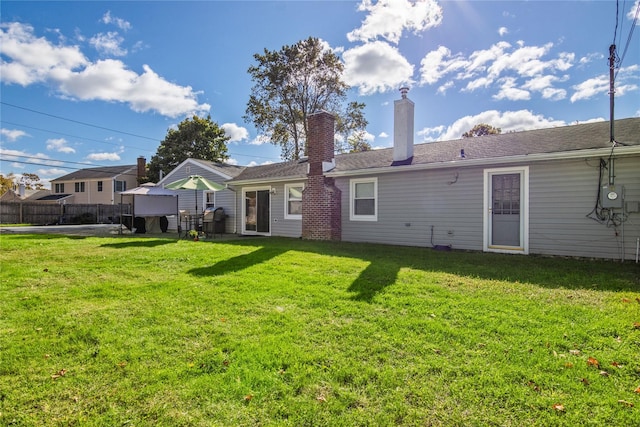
[592, 361]
[46, 270]
[533, 385]
[248, 397]
[636, 325]
[60, 373]
[568, 365]
[638, 299]
[626, 300]
[321, 398]
[584, 381]
[625, 403]
[558, 407]
[604, 373]
[637, 390]
[122, 364]
[574, 352]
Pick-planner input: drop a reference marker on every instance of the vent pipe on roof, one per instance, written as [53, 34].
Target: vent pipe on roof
[403, 112]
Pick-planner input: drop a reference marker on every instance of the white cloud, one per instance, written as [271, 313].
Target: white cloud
[31, 60]
[20, 156]
[508, 121]
[254, 163]
[108, 44]
[442, 90]
[590, 88]
[510, 92]
[51, 172]
[260, 139]
[12, 134]
[383, 135]
[634, 10]
[544, 85]
[235, 132]
[376, 67]
[114, 157]
[389, 18]
[59, 145]
[503, 31]
[118, 22]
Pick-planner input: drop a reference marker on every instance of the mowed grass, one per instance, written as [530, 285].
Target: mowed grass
[125, 331]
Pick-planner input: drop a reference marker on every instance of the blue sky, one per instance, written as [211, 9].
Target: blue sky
[91, 83]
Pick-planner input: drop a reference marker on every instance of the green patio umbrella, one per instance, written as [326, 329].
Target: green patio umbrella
[195, 182]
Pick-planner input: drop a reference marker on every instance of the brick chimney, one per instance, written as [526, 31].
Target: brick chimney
[142, 168]
[403, 129]
[321, 199]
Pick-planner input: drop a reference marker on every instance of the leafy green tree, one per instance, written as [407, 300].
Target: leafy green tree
[481, 129]
[292, 83]
[6, 183]
[31, 181]
[351, 126]
[196, 138]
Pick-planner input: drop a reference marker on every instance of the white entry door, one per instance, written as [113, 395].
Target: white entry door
[506, 213]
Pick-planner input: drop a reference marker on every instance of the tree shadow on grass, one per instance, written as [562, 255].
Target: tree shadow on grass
[142, 243]
[385, 263]
[240, 262]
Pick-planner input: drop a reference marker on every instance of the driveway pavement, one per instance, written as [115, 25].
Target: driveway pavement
[75, 230]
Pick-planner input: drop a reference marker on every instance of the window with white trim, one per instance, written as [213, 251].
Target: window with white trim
[59, 188]
[79, 187]
[120, 185]
[293, 201]
[363, 204]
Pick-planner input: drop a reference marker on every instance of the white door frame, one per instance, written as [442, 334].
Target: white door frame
[523, 248]
[244, 208]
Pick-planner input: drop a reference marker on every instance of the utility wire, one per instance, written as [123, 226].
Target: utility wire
[104, 128]
[77, 121]
[629, 38]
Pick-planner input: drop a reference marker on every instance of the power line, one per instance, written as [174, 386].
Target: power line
[73, 136]
[77, 121]
[104, 128]
[629, 38]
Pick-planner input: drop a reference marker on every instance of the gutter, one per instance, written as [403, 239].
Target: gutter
[538, 157]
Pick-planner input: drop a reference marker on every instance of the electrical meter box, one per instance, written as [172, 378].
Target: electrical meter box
[611, 196]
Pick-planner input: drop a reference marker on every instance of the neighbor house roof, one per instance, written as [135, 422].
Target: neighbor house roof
[486, 149]
[102, 172]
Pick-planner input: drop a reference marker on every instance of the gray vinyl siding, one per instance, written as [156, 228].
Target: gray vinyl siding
[563, 193]
[279, 226]
[187, 198]
[410, 203]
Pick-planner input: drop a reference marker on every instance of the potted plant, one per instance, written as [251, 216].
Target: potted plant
[194, 235]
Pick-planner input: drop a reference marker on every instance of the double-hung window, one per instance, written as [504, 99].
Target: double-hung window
[79, 186]
[364, 199]
[293, 201]
[59, 188]
[120, 185]
[99, 185]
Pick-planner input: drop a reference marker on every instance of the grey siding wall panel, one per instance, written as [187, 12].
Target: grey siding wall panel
[409, 204]
[563, 194]
[279, 225]
[187, 198]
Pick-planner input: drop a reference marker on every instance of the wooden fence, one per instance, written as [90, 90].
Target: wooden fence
[46, 213]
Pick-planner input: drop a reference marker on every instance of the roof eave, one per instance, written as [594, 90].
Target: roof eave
[537, 157]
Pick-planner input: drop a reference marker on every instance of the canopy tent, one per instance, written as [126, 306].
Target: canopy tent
[151, 201]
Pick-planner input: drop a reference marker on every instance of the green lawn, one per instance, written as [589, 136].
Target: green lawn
[143, 331]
